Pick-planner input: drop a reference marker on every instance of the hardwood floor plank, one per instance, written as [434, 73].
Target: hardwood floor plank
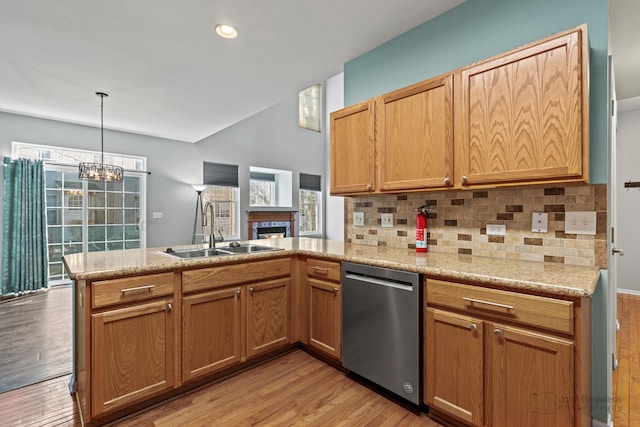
[634, 362]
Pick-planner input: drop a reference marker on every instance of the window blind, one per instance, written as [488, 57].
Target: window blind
[220, 174]
[262, 176]
[310, 182]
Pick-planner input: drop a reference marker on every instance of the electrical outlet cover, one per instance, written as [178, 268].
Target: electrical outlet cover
[386, 220]
[358, 218]
[496, 229]
[539, 222]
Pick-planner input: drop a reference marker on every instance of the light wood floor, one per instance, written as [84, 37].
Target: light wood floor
[626, 379]
[297, 389]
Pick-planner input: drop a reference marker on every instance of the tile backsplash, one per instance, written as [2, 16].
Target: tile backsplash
[457, 222]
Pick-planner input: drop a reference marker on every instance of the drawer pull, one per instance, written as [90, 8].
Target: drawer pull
[497, 332]
[251, 290]
[139, 288]
[238, 292]
[321, 269]
[335, 291]
[170, 306]
[494, 304]
[473, 327]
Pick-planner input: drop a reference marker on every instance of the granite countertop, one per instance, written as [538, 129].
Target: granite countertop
[557, 279]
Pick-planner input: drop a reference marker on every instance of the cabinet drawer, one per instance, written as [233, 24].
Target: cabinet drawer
[217, 277]
[117, 291]
[543, 312]
[328, 270]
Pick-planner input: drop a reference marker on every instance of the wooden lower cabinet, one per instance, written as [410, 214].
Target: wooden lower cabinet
[325, 314]
[268, 321]
[531, 378]
[133, 355]
[211, 332]
[490, 360]
[454, 348]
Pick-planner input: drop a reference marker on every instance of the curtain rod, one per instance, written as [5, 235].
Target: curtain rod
[75, 166]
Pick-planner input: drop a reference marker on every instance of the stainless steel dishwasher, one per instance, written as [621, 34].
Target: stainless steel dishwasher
[381, 327]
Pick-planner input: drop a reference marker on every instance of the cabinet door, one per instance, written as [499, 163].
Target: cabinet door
[415, 137]
[524, 116]
[531, 377]
[132, 355]
[211, 332]
[454, 365]
[325, 317]
[352, 149]
[267, 316]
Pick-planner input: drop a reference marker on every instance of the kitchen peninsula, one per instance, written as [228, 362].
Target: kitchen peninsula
[149, 326]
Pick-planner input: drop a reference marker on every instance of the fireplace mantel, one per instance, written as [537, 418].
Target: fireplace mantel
[271, 216]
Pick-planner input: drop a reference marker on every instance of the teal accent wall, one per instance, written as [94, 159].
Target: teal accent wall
[478, 29]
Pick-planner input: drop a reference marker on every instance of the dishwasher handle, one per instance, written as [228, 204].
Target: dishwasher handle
[379, 281]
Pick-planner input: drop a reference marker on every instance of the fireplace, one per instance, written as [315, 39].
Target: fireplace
[270, 224]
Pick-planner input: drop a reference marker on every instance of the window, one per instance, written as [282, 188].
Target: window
[310, 204]
[262, 189]
[221, 181]
[270, 187]
[310, 108]
[87, 216]
[226, 211]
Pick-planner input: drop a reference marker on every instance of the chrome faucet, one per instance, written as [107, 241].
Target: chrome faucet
[212, 235]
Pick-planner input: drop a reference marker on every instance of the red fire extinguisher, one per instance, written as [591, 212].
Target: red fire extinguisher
[421, 229]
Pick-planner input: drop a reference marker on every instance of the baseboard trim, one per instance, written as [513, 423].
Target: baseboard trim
[628, 291]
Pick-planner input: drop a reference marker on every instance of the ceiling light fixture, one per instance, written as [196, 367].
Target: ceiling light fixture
[226, 31]
[100, 171]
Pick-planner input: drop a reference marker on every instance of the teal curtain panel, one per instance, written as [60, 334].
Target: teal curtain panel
[24, 227]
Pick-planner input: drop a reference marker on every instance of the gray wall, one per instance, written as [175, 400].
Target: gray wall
[270, 139]
[628, 200]
[334, 205]
[167, 190]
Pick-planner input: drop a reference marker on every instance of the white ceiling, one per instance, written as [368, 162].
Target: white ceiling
[167, 73]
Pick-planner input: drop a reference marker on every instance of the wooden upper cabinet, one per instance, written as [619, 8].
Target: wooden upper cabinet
[522, 117]
[415, 136]
[352, 149]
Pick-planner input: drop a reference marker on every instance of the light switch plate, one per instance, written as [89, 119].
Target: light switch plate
[539, 222]
[580, 222]
[358, 218]
[386, 220]
[496, 230]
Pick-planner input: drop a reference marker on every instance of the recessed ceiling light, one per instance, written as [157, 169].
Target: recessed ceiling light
[226, 31]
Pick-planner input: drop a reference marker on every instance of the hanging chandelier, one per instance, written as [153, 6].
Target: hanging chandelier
[100, 171]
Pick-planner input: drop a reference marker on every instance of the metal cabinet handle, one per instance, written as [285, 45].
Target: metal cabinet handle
[238, 292]
[447, 181]
[473, 327]
[251, 290]
[170, 306]
[369, 187]
[464, 179]
[320, 269]
[139, 288]
[494, 304]
[335, 291]
[497, 332]
[617, 251]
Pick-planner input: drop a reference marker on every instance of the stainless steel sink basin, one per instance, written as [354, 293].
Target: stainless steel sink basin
[196, 253]
[232, 249]
[247, 248]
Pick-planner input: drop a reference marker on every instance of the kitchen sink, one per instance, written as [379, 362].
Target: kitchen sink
[232, 249]
[196, 253]
[247, 248]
